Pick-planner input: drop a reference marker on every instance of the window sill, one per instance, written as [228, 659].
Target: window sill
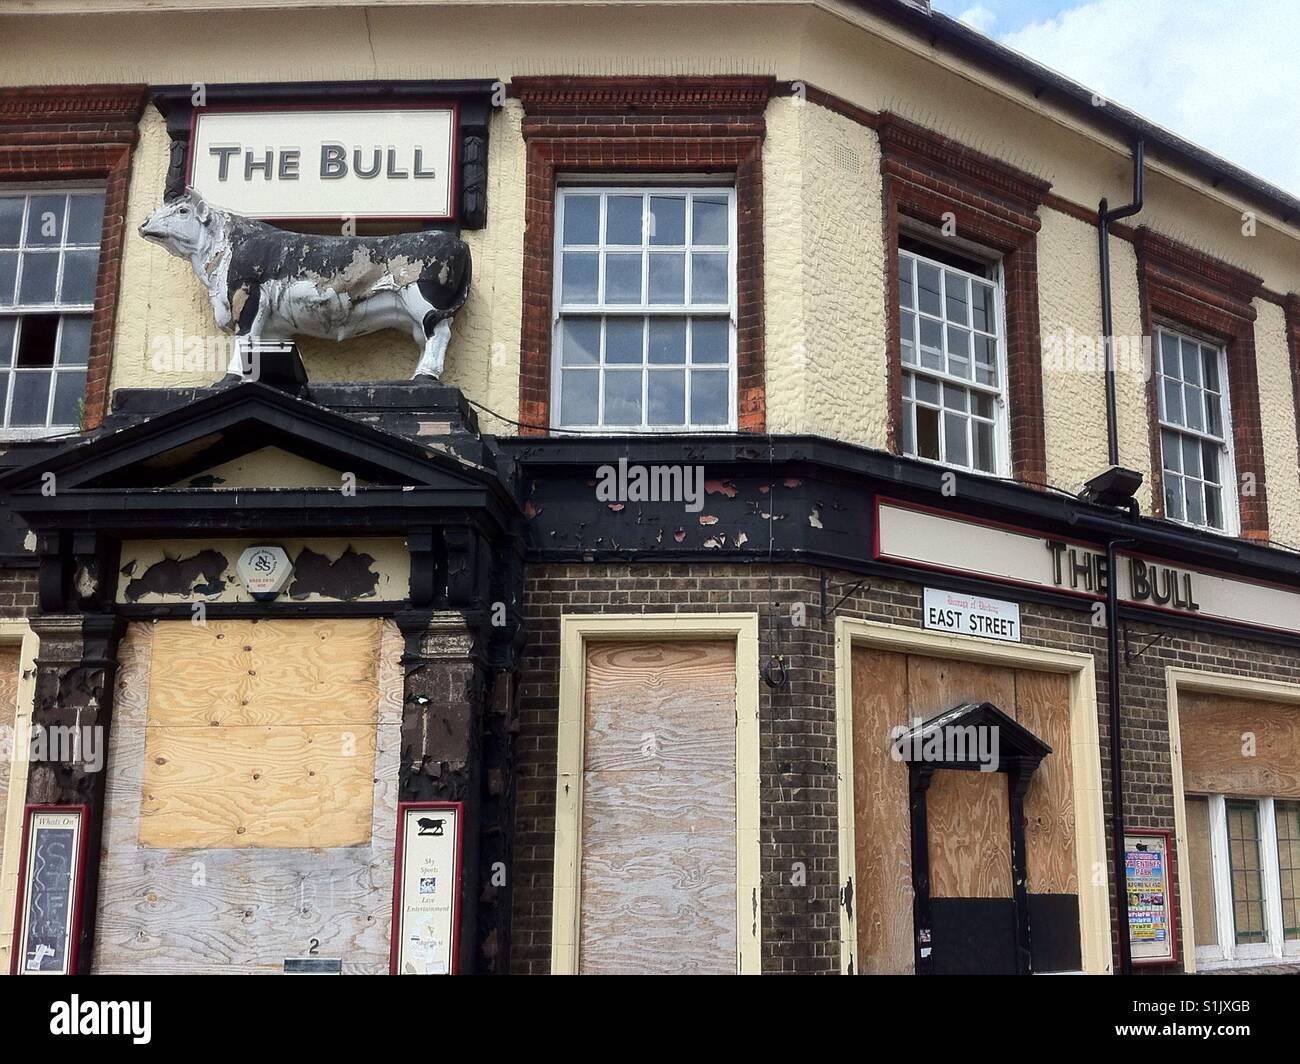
[24, 435]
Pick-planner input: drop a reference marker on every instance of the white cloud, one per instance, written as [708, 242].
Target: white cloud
[978, 18]
[1223, 76]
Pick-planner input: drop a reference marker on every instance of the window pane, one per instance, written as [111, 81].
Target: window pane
[959, 352]
[909, 433]
[68, 391]
[85, 218]
[623, 339]
[79, 269]
[1287, 815]
[31, 398]
[1213, 506]
[1214, 414]
[986, 359]
[622, 278]
[1170, 363]
[37, 334]
[8, 328]
[1173, 450]
[45, 220]
[984, 450]
[927, 391]
[983, 315]
[958, 302]
[578, 396]
[74, 340]
[579, 341]
[623, 220]
[907, 336]
[1174, 509]
[667, 220]
[581, 219]
[709, 397]
[11, 220]
[708, 278]
[667, 398]
[1210, 462]
[1210, 361]
[1191, 362]
[623, 397]
[1194, 497]
[710, 340]
[8, 276]
[5, 378]
[1191, 457]
[954, 428]
[1193, 408]
[578, 284]
[931, 343]
[955, 398]
[906, 290]
[927, 432]
[668, 278]
[983, 404]
[927, 284]
[1247, 881]
[709, 221]
[40, 271]
[1173, 394]
[668, 340]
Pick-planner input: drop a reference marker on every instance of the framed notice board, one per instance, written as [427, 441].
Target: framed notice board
[1152, 926]
[51, 877]
[426, 888]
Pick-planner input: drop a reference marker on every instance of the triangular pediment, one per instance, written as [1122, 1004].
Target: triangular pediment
[270, 446]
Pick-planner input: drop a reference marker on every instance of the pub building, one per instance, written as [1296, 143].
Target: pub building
[784, 488]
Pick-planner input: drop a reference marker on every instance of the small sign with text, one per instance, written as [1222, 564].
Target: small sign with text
[948, 611]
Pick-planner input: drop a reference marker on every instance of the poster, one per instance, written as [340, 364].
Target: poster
[1153, 936]
[49, 897]
[426, 889]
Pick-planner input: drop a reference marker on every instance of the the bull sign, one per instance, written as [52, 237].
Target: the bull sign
[266, 282]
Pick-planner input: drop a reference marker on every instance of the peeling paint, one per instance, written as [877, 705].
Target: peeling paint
[720, 487]
[199, 575]
[708, 519]
[815, 518]
[351, 577]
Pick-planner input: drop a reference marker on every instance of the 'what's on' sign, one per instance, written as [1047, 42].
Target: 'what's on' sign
[317, 164]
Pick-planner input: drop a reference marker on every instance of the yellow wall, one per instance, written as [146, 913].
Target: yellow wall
[824, 266]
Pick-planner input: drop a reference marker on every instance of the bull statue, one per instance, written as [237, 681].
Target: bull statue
[266, 282]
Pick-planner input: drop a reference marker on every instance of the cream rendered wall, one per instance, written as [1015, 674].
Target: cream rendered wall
[825, 303]
[1277, 415]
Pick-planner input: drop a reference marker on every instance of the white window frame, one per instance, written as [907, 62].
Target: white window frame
[18, 310]
[1226, 953]
[1001, 409]
[641, 184]
[1228, 457]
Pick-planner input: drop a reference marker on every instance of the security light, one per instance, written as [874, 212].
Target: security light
[1115, 487]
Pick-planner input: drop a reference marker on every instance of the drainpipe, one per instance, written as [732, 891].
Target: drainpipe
[1105, 217]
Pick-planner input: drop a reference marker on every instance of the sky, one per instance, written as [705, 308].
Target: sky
[1221, 74]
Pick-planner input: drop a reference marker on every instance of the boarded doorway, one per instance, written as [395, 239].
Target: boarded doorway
[969, 848]
[658, 856]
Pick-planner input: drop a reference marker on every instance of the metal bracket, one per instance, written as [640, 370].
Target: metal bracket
[826, 613]
[1129, 655]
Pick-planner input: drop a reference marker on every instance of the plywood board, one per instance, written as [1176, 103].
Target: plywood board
[883, 855]
[658, 878]
[260, 733]
[1043, 706]
[970, 833]
[174, 910]
[1201, 869]
[1239, 746]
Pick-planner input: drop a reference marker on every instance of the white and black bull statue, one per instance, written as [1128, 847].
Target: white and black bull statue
[266, 282]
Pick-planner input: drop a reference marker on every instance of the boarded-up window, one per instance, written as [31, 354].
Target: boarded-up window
[658, 878]
[1239, 746]
[969, 822]
[260, 733]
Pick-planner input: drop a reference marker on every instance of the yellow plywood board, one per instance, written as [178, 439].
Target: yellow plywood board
[260, 734]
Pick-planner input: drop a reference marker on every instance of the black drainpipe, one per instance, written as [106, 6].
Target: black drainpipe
[1105, 217]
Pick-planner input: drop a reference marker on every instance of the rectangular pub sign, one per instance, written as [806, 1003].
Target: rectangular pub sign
[426, 888]
[302, 164]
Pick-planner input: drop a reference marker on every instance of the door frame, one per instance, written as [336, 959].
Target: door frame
[18, 632]
[1089, 817]
[576, 631]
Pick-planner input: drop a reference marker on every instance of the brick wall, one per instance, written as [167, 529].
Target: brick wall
[797, 725]
[17, 592]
